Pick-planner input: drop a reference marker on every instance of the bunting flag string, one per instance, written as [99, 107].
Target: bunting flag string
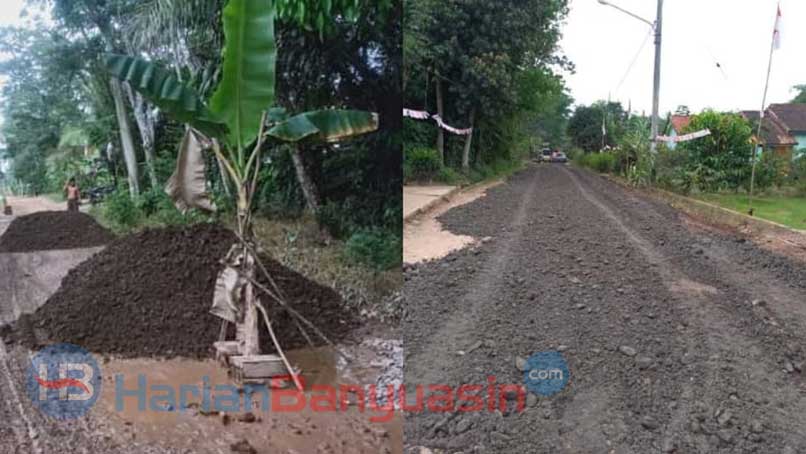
[417, 114]
[422, 115]
[684, 138]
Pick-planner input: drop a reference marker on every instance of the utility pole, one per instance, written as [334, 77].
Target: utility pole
[658, 27]
[656, 82]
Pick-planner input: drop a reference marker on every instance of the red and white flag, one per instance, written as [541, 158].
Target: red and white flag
[776, 34]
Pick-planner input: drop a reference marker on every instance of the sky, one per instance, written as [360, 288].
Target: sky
[602, 42]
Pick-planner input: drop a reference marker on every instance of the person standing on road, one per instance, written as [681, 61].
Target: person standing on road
[73, 195]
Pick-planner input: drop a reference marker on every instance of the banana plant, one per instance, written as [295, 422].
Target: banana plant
[238, 119]
[237, 122]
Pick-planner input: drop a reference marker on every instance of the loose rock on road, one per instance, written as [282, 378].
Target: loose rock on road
[678, 340]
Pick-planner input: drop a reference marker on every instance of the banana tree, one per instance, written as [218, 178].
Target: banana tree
[237, 123]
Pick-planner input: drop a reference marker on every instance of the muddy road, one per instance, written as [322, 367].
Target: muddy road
[677, 339]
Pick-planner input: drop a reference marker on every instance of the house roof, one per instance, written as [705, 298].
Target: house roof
[679, 122]
[772, 131]
[791, 116]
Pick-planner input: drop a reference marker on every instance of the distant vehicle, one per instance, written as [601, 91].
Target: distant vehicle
[98, 194]
[559, 156]
[545, 155]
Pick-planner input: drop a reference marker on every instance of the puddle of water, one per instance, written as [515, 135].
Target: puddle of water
[275, 428]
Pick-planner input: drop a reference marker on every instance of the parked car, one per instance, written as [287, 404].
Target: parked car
[98, 194]
[559, 156]
[545, 155]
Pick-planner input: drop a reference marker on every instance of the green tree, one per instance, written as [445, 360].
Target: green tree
[720, 160]
[473, 65]
[585, 125]
[800, 98]
[40, 100]
[545, 102]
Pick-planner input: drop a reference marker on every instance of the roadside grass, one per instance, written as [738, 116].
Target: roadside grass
[299, 245]
[783, 209]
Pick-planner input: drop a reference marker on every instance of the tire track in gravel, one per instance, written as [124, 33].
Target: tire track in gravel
[720, 315]
[593, 267]
[540, 310]
[457, 332]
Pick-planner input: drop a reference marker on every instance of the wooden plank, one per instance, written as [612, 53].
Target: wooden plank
[259, 366]
[224, 350]
[229, 348]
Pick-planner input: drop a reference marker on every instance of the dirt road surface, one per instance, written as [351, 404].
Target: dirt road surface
[677, 340]
[27, 205]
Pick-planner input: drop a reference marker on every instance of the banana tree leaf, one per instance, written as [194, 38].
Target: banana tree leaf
[250, 57]
[187, 186]
[276, 114]
[162, 88]
[325, 126]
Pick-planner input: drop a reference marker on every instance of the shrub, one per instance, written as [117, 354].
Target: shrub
[771, 170]
[576, 154]
[600, 162]
[120, 210]
[798, 175]
[449, 176]
[721, 159]
[671, 170]
[424, 163]
[123, 213]
[376, 248]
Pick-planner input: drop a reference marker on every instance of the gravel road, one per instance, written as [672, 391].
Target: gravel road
[677, 340]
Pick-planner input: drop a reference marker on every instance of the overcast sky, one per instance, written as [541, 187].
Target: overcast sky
[602, 41]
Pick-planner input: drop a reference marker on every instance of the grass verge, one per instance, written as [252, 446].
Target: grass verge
[787, 210]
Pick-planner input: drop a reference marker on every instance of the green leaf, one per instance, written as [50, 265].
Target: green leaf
[276, 114]
[250, 55]
[325, 126]
[161, 87]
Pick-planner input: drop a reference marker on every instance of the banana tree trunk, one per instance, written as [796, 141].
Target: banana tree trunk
[247, 331]
[129, 154]
[305, 182]
[145, 123]
[468, 143]
[441, 113]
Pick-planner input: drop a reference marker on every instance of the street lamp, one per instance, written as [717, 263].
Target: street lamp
[657, 26]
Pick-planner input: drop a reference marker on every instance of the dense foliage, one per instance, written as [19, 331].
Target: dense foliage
[494, 70]
[585, 127]
[720, 161]
[64, 117]
[801, 96]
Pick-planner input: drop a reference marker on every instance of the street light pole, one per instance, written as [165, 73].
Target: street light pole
[656, 81]
[658, 27]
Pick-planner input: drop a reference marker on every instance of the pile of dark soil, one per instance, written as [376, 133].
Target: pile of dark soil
[49, 230]
[150, 294]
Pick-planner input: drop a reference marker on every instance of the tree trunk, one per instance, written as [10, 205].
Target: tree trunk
[145, 123]
[305, 182]
[468, 142]
[441, 113]
[129, 154]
